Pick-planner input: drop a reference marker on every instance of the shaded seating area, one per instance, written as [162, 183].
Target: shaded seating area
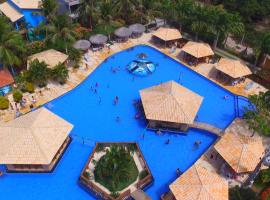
[231, 71]
[6, 80]
[199, 183]
[98, 41]
[194, 53]
[239, 149]
[170, 106]
[51, 57]
[122, 34]
[166, 37]
[34, 142]
[82, 45]
[137, 30]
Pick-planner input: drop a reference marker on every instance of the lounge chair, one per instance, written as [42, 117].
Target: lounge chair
[249, 86]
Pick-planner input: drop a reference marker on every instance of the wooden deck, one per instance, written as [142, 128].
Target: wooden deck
[207, 127]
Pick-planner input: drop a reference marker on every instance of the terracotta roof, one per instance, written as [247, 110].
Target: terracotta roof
[10, 12]
[239, 150]
[167, 34]
[200, 183]
[198, 49]
[170, 102]
[51, 57]
[233, 68]
[28, 4]
[5, 78]
[33, 138]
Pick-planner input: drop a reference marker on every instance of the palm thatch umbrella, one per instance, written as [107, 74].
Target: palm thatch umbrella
[98, 39]
[82, 45]
[123, 32]
[137, 28]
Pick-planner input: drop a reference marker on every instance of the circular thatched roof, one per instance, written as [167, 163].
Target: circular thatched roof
[137, 28]
[98, 39]
[82, 45]
[123, 32]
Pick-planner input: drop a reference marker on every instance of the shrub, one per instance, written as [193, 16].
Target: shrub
[60, 73]
[39, 73]
[17, 96]
[238, 193]
[114, 195]
[266, 194]
[29, 87]
[4, 103]
[143, 174]
[100, 147]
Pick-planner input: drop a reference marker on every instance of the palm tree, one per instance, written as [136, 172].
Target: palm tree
[125, 8]
[12, 46]
[87, 12]
[184, 10]
[49, 9]
[148, 10]
[60, 32]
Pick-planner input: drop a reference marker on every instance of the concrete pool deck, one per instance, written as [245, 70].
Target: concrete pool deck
[76, 76]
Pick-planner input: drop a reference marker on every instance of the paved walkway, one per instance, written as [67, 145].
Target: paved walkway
[207, 127]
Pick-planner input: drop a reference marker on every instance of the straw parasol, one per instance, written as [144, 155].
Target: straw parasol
[82, 45]
[170, 102]
[137, 28]
[123, 32]
[51, 57]
[98, 39]
[199, 183]
[168, 34]
[10, 12]
[198, 49]
[240, 151]
[34, 138]
[233, 68]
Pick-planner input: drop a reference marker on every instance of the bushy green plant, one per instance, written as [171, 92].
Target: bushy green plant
[238, 193]
[39, 73]
[4, 103]
[100, 147]
[114, 195]
[143, 174]
[60, 73]
[29, 87]
[17, 96]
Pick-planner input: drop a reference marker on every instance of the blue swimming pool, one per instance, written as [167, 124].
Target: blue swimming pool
[93, 116]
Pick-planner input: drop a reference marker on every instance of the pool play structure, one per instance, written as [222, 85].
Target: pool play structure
[141, 66]
[91, 109]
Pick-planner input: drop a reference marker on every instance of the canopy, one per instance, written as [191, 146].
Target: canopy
[200, 183]
[123, 32]
[10, 12]
[27, 4]
[168, 34]
[82, 45]
[5, 77]
[51, 57]
[34, 138]
[233, 68]
[98, 39]
[137, 28]
[198, 49]
[170, 102]
[240, 151]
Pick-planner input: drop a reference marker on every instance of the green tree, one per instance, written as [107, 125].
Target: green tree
[258, 117]
[60, 32]
[184, 10]
[4, 103]
[125, 9]
[60, 73]
[49, 9]
[17, 96]
[87, 12]
[12, 46]
[238, 193]
[39, 73]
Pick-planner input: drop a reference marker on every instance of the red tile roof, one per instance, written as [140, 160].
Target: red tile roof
[5, 78]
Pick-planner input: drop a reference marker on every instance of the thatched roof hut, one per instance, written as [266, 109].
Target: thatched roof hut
[200, 183]
[98, 39]
[82, 45]
[241, 151]
[32, 139]
[167, 34]
[123, 32]
[198, 49]
[233, 68]
[170, 102]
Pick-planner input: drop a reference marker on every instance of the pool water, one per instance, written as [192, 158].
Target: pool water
[94, 118]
